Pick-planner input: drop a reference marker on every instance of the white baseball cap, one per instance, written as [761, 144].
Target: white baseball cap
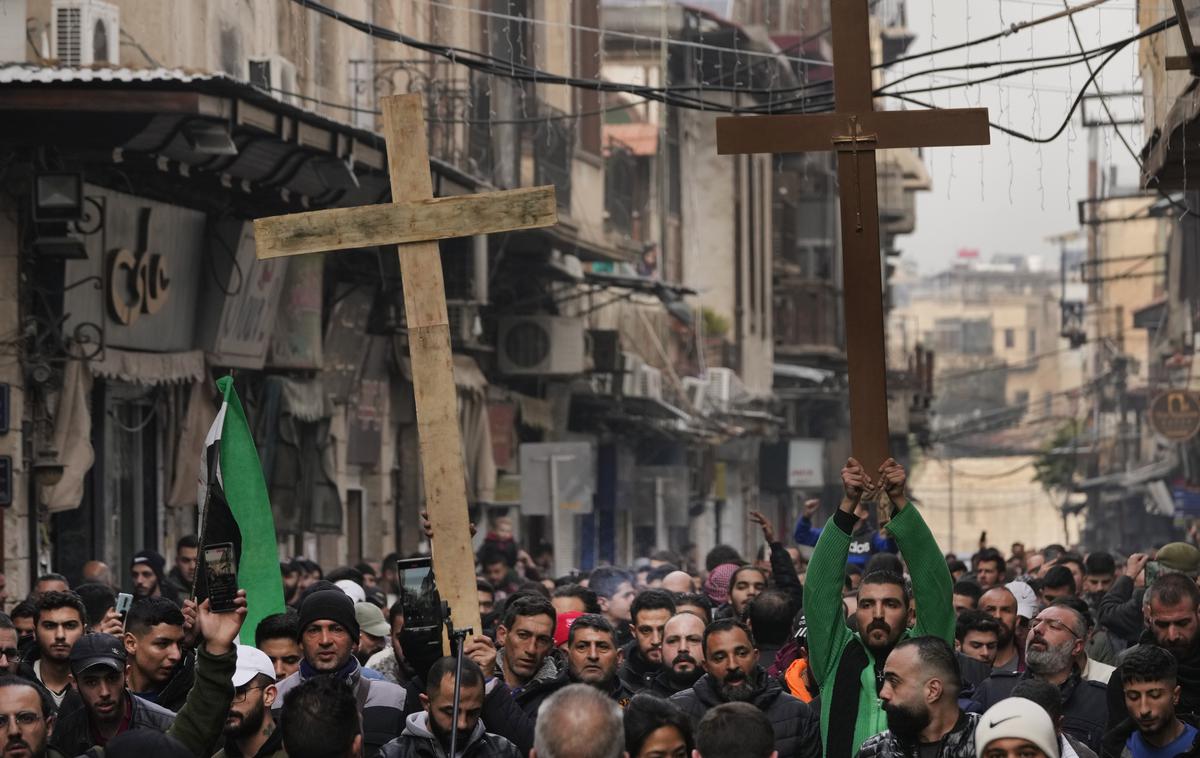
[352, 589]
[250, 663]
[1027, 599]
[1017, 718]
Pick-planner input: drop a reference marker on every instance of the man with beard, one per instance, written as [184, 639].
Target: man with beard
[593, 657]
[614, 590]
[650, 612]
[746, 584]
[920, 697]
[291, 573]
[329, 636]
[58, 625]
[1172, 611]
[9, 655]
[847, 660]
[249, 733]
[1056, 637]
[427, 732]
[27, 712]
[989, 568]
[682, 655]
[182, 577]
[732, 674]
[146, 573]
[1001, 604]
[159, 671]
[1152, 729]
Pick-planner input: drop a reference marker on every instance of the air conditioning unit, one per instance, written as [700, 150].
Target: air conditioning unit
[696, 390]
[721, 383]
[541, 345]
[650, 382]
[276, 75]
[631, 371]
[85, 32]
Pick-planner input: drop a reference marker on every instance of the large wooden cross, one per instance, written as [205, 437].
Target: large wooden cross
[856, 130]
[415, 220]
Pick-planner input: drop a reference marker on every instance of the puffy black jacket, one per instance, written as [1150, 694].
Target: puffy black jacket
[797, 727]
[637, 673]
[959, 743]
[1085, 704]
[418, 742]
[73, 733]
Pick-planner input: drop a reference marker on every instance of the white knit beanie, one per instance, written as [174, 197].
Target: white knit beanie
[1017, 718]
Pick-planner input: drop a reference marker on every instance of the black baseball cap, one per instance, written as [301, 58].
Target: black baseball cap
[97, 650]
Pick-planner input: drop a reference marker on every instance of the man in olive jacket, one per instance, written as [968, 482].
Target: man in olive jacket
[846, 662]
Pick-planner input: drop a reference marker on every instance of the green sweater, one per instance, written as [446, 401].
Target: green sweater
[829, 637]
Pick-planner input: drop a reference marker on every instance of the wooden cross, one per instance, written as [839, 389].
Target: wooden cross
[856, 130]
[415, 220]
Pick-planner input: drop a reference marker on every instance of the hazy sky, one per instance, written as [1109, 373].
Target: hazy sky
[1009, 196]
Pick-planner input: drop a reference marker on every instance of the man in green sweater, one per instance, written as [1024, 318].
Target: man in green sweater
[847, 661]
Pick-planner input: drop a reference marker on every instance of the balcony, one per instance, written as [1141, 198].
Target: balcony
[808, 320]
[550, 143]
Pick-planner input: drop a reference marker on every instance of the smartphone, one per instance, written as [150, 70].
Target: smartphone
[221, 572]
[418, 594]
[124, 603]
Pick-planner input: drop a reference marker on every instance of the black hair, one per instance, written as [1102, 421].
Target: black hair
[956, 565]
[591, 604]
[591, 621]
[6, 621]
[528, 605]
[365, 569]
[1059, 576]
[1080, 606]
[472, 675]
[605, 580]
[646, 714]
[483, 585]
[887, 577]
[1051, 552]
[1045, 694]
[722, 554]
[660, 573]
[748, 567]
[24, 610]
[1071, 557]
[148, 612]
[726, 625]
[342, 573]
[52, 601]
[1172, 589]
[695, 598]
[770, 616]
[651, 600]
[320, 718]
[937, 659]
[188, 541]
[889, 562]
[1099, 564]
[735, 730]
[396, 611]
[990, 555]
[968, 588]
[1149, 663]
[51, 577]
[490, 554]
[47, 700]
[278, 626]
[975, 621]
[97, 600]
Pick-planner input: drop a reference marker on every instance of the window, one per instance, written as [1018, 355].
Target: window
[1010, 339]
[1021, 398]
[1032, 341]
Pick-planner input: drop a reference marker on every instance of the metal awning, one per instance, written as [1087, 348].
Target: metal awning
[1167, 152]
[1160, 469]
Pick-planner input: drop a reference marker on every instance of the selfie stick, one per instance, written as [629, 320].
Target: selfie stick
[458, 639]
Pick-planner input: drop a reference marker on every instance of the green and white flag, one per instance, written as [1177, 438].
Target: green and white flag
[235, 507]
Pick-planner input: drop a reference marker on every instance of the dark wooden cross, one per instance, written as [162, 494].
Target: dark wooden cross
[414, 221]
[856, 130]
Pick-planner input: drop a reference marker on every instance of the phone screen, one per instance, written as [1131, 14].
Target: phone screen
[420, 597]
[222, 576]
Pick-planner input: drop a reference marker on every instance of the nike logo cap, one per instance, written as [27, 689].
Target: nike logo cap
[1017, 718]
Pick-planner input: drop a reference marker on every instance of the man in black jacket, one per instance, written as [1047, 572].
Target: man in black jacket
[682, 653]
[427, 732]
[920, 696]
[159, 669]
[1056, 637]
[733, 674]
[650, 611]
[109, 708]
[525, 637]
[329, 635]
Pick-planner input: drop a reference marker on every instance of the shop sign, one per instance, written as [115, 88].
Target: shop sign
[1175, 414]
[806, 464]
[145, 258]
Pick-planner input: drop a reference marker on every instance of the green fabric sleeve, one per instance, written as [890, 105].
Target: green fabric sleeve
[823, 609]
[931, 581]
[199, 722]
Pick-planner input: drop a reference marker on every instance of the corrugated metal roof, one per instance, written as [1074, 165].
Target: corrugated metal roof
[20, 73]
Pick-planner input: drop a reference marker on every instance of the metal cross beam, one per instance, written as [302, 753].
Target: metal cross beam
[415, 220]
[855, 130]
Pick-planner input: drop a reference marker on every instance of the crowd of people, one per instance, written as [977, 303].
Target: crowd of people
[862, 639]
